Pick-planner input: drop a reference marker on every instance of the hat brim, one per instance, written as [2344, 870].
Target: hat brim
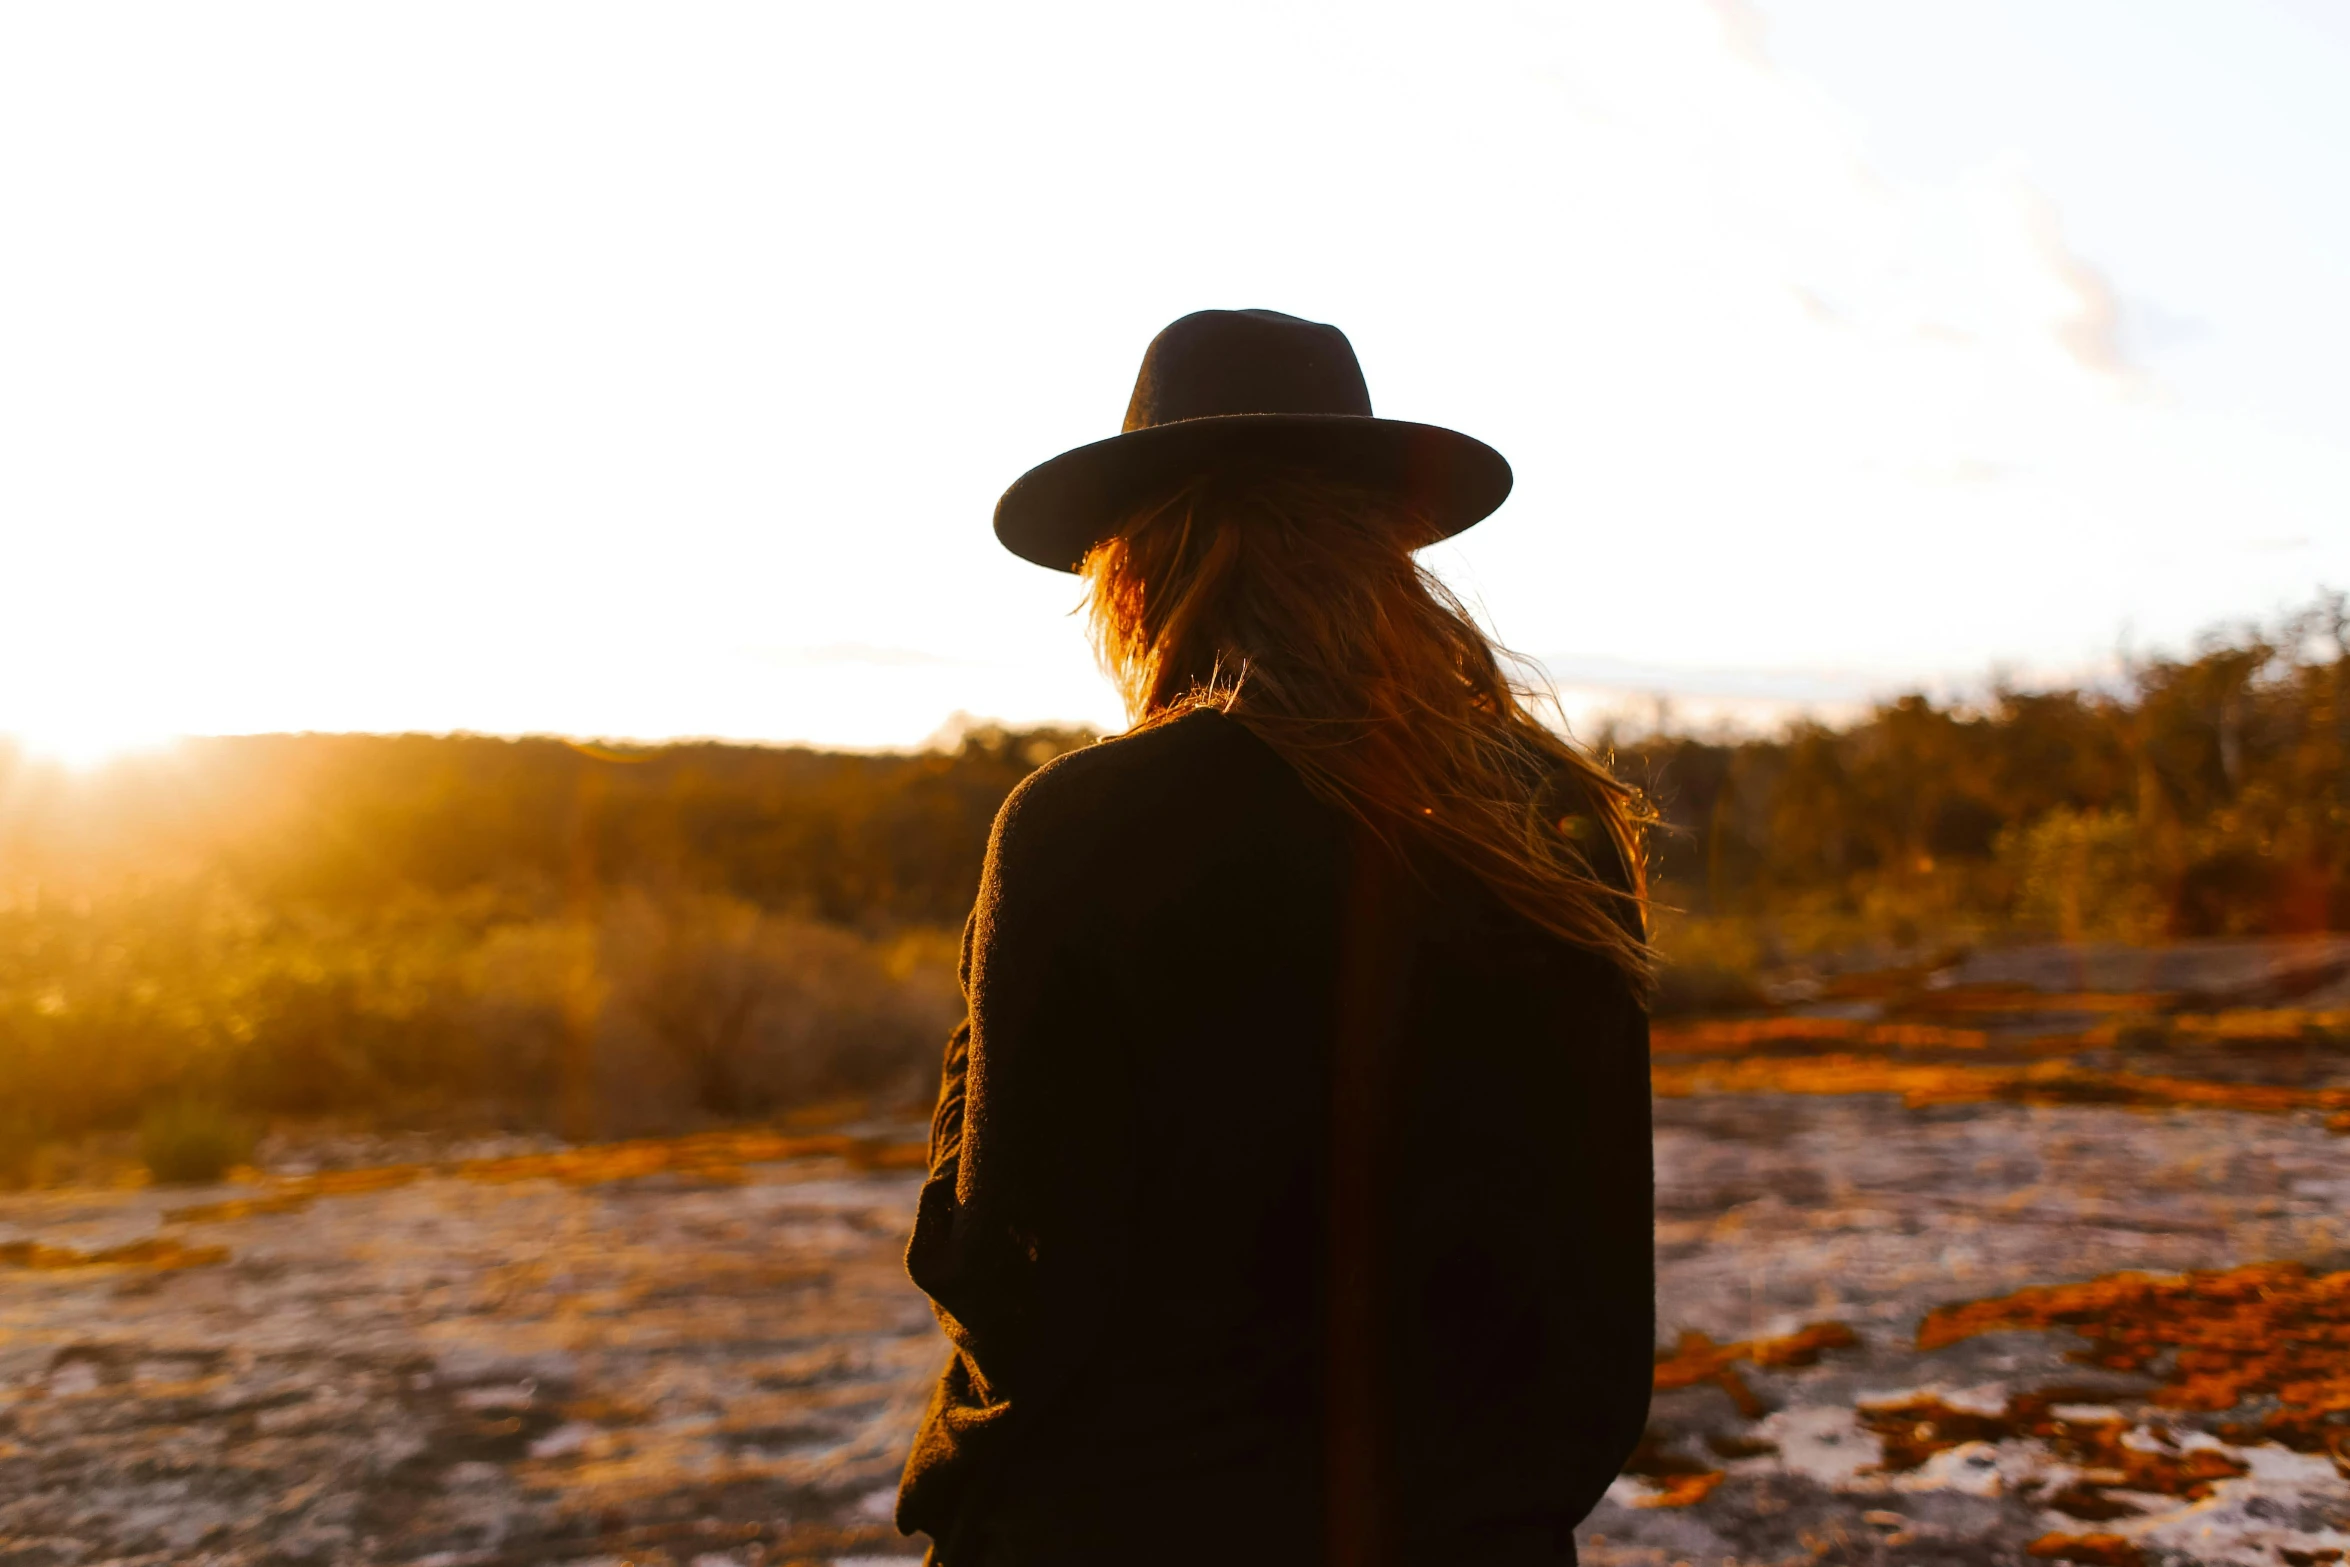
[1057, 511]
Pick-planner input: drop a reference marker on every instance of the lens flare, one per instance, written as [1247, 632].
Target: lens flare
[87, 747]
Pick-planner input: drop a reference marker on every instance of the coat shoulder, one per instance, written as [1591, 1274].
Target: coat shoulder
[1193, 762]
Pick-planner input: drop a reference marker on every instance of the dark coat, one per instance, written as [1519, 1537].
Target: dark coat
[1126, 1227]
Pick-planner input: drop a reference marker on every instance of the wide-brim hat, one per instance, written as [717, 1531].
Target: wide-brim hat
[1222, 388]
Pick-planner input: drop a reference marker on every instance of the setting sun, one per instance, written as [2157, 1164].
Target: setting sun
[1257, 782]
[82, 747]
[531, 415]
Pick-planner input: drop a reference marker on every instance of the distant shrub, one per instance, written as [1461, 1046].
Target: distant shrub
[189, 1141]
[2204, 795]
[1710, 965]
[20, 1147]
[2080, 875]
[748, 1012]
[2255, 869]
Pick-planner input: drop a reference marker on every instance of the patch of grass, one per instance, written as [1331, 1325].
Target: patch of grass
[1710, 966]
[191, 1142]
[20, 1145]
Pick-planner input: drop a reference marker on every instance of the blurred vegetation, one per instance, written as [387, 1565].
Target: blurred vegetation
[186, 1141]
[2205, 795]
[409, 930]
[419, 931]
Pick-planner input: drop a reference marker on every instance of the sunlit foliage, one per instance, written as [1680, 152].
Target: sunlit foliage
[534, 933]
[525, 933]
[2203, 796]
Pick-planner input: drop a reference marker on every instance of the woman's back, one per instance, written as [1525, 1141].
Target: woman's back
[1128, 1226]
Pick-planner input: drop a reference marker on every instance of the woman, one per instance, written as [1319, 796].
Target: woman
[1290, 1194]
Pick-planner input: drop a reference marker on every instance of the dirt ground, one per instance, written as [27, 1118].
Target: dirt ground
[705, 1351]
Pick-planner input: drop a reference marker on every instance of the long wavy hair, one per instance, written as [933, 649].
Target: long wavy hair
[1294, 604]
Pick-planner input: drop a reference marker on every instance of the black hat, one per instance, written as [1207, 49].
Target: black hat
[1223, 386]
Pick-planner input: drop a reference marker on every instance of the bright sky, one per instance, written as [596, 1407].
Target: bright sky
[653, 370]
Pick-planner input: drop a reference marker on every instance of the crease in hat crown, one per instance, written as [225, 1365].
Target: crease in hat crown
[1213, 363]
[1224, 387]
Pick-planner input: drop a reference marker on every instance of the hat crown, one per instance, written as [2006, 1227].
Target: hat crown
[1215, 362]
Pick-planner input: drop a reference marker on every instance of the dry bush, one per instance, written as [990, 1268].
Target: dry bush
[663, 1010]
[2208, 796]
[2080, 875]
[1710, 965]
[21, 1139]
[405, 930]
[745, 1011]
[190, 1142]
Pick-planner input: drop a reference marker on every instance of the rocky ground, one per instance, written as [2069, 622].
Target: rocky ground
[1901, 1263]
[2036, 1257]
[1861, 1219]
[700, 1360]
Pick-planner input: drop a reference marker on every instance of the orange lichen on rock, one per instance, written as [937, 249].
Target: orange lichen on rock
[1917, 1083]
[2023, 1000]
[1682, 1490]
[1946, 1083]
[294, 1193]
[2270, 1026]
[2091, 1550]
[153, 1252]
[705, 1156]
[2198, 1093]
[2272, 1334]
[237, 1208]
[1673, 1479]
[1697, 1358]
[1729, 1036]
[1912, 1430]
[1676, 1480]
[717, 1155]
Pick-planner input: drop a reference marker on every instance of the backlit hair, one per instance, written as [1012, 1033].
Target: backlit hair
[1294, 604]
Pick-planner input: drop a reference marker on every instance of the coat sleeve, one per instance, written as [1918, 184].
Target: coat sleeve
[1019, 1240]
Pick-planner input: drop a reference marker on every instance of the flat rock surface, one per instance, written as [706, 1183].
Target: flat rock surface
[1776, 1212]
[712, 1362]
[680, 1367]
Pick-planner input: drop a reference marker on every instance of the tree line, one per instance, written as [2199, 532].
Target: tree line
[2204, 794]
[540, 932]
[526, 932]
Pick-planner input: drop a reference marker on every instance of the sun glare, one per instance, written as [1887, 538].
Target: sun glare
[86, 747]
